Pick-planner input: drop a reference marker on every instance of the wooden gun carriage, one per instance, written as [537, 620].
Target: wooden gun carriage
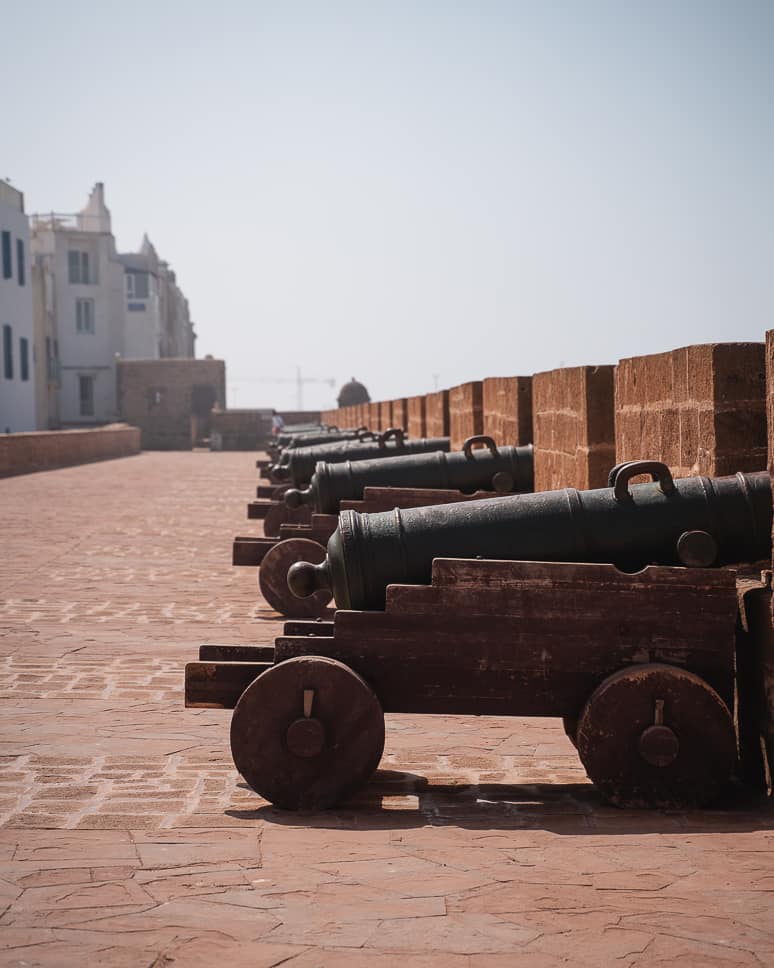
[641, 667]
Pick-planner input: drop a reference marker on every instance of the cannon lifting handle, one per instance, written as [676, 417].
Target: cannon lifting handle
[467, 447]
[621, 474]
[392, 432]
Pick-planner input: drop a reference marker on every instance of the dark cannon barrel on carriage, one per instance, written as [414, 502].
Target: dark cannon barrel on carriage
[300, 462]
[503, 470]
[695, 521]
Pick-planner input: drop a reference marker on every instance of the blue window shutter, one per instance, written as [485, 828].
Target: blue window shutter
[24, 357]
[20, 267]
[7, 264]
[7, 352]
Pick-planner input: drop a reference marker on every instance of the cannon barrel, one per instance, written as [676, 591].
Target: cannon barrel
[329, 444]
[696, 521]
[504, 469]
[331, 437]
[302, 461]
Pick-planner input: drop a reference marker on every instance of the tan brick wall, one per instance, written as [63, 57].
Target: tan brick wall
[574, 434]
[437, 414]
[374, 417]
[415, 417]
[466, 412]
[45, 450]
[508, 409]
[399, 413]
[700, 409]
[160, 397]
[385, 414]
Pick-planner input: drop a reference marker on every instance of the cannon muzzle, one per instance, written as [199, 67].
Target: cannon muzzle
[294, 498]
[304, 578]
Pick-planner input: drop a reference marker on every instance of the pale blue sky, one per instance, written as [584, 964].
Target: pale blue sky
[412, 192]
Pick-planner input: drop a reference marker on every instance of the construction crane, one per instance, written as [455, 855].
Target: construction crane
[299, 381]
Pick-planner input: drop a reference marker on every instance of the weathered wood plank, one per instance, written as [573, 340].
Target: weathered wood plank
[478, 571]
[236, 653]
[318, 627]
[267, 491]
[250, 551]
[755, 684]
[257, 510]
[319, 529]
[377, 499]
[533, 638]
[218, 685]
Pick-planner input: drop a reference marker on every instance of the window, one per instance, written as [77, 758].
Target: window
[7, 352]
[20, 267]
[78, 267]
[24, 357]
[86, 395]
[137, 285]
[84, 315]
[7, 265]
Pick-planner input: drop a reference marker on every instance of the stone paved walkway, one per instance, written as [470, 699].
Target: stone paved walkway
[128, 839]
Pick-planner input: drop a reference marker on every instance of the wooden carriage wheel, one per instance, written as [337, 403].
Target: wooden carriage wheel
[273, 578]
[307, 733]
[656, 736]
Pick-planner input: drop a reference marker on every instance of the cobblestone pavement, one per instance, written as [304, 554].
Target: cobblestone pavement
[128, 839]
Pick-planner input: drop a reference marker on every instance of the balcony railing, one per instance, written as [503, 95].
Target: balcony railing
[68, 221]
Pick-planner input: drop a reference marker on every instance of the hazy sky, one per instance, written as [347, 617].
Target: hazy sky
[416, 193]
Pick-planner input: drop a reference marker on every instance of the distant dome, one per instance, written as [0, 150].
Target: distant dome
[352, 393]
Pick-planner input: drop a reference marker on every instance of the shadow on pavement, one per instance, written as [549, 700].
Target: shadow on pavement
[405, 800]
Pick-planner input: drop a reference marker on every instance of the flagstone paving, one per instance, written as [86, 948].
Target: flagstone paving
[127, 838]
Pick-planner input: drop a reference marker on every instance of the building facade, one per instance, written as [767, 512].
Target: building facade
[17, 351]
[158, 323]
[95, 306]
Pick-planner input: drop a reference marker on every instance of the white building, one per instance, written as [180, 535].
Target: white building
[17, 365]
[79, 253]
[104, 305]
[158, 322]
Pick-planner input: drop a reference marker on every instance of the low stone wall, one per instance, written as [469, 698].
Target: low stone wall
[47, 449]
[466, 412]
[701, 409]
[574, 427]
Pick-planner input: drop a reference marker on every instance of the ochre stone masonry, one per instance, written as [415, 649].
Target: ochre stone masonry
[574, 434]
[400, 413]
[374, 417]
[700, 409]
[44, 450]
[416, 422]
[507, 406]
[437, 414]
[466, 412]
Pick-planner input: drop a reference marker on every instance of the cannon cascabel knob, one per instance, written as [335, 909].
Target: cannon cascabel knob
[304, 578]
[294, 498]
